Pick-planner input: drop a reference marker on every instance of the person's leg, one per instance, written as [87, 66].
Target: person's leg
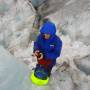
[50, 66]
[41, 72]
[49, 70]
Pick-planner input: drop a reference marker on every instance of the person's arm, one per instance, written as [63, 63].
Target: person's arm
[57, 51]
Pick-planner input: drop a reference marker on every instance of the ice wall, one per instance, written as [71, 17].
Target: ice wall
[13, 74]
[15, 23]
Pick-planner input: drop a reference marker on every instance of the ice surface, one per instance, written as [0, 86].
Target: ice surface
[13, 73]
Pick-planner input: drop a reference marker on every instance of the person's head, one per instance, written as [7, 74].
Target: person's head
[48, 29]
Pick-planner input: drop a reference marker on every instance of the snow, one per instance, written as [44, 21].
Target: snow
[73, 23]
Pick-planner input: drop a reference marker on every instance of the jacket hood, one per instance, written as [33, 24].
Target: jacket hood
[48, 28]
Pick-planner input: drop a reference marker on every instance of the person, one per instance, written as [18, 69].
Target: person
[47, 47]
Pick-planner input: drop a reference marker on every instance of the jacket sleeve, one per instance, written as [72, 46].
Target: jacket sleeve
[36, 44]
[57, 51]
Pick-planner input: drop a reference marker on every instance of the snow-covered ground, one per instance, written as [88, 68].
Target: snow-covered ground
[73, 24]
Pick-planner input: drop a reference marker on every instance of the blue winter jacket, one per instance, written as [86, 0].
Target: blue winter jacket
[51, 48]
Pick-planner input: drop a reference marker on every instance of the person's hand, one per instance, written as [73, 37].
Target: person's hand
[40, 56]
[36, 53]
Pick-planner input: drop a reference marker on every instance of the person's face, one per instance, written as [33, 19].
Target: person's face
[46, 36]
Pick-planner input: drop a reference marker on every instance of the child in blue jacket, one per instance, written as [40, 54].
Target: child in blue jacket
[47, 47]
